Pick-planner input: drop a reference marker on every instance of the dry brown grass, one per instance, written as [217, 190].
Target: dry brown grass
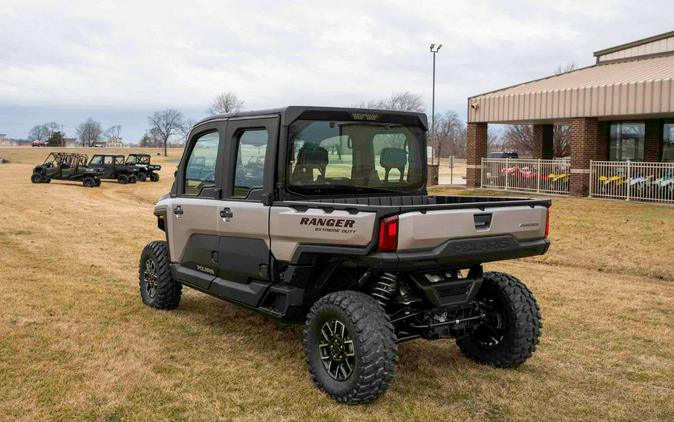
[77, 343]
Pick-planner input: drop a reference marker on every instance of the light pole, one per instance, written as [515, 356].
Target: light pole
[434, 49]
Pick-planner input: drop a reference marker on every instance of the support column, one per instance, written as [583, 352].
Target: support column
[653, 140]
[584, 140]
[543, 141]
[476, 149]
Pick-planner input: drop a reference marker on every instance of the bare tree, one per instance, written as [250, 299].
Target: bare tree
[519, 138]
[44, 131]
[113, 132]
[449, 135]
[165, 124]
[561, 140]
[567, 67]
[399, 101]
[186, 128]
[89, 132]
[227, 102]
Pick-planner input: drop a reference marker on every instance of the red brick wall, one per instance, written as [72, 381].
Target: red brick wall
[476, 149]
[585, 135]
[539, 134]
[653, 140]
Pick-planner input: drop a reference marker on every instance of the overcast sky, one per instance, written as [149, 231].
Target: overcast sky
[117, 61]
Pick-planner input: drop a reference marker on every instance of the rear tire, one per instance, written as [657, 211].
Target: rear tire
[509, 335]
[123, 179]
[89, 182]
[158, 288]
[350, 346]
[142, 177]
[132, 179]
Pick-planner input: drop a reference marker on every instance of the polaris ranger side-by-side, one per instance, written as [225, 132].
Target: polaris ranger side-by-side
[113, 166]
[321, 215]
[66, 166]
[144, 168]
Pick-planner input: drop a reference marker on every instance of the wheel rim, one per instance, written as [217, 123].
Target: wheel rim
[492, 330]
[150, 278]
[336, 350]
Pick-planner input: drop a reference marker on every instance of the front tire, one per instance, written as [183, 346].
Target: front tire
[350, 346]
[36, 178]
[123, 179]
[154, 177]
[510, 333]
[132, 179]
[158, 288]
[142, 176]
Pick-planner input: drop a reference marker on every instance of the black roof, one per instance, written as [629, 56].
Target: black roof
[291, 113]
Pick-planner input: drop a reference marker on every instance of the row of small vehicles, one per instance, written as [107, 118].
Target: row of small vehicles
[74, 166]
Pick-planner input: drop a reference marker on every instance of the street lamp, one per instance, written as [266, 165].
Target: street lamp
[434, 49]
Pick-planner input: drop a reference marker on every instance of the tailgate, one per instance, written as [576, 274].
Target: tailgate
[425, 230]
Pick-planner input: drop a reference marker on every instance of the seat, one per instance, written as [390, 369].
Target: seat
[309, 158]
[393, 158]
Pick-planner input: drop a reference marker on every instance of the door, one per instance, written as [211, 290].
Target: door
[243, 217]
[193, 215]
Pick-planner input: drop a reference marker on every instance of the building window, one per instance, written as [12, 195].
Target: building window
[668, 142]
[627, 141]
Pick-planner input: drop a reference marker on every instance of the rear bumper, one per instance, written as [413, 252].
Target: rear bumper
[459, 253]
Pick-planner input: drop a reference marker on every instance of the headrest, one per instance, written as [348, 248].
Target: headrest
[393, 158]
[311, 155]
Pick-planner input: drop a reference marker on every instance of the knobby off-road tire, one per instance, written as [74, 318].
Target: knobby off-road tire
[510, 334]
[36, 178]
[123, 179]
[154, 177]
[158, 289]
[132, 179]
[142, 176]
[368, 347]
[89, 182]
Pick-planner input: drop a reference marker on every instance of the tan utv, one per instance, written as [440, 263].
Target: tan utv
[321, 215]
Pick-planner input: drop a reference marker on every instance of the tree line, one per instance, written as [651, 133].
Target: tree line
[447, 136]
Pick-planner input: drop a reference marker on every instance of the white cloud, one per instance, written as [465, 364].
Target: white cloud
[176, 53]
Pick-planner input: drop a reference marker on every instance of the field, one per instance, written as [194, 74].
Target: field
[76, 343]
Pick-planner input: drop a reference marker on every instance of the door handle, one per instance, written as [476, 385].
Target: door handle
[178, 210]
[226, 213]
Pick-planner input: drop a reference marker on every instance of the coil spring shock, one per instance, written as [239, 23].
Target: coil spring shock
[385, 288]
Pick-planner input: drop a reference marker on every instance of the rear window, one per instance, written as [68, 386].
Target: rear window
[354, 156]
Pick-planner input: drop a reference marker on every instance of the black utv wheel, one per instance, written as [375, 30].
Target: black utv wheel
[132, 178]
[36, 178]
[350, 346]
[142, 176]
[509, 334]
[123, 179]
[154, 177]
[98, 182]
[89, 182]
[158, 289]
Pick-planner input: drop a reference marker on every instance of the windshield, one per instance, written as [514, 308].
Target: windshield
[345, 156]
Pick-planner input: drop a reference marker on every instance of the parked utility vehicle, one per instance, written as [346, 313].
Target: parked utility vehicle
[66, 166]
[113, 166]
[144, 168]
[321, 215]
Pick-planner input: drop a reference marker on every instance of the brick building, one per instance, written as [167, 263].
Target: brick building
[621, 108]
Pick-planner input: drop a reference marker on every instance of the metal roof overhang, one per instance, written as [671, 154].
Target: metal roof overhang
[640, 87]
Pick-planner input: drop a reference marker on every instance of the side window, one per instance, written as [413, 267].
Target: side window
[251, 149]
[119, 160]
[108, 160]
[97, 160]
[200, 168]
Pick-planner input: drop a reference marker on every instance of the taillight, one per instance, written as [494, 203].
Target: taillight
[547, 222]
[388, 234]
